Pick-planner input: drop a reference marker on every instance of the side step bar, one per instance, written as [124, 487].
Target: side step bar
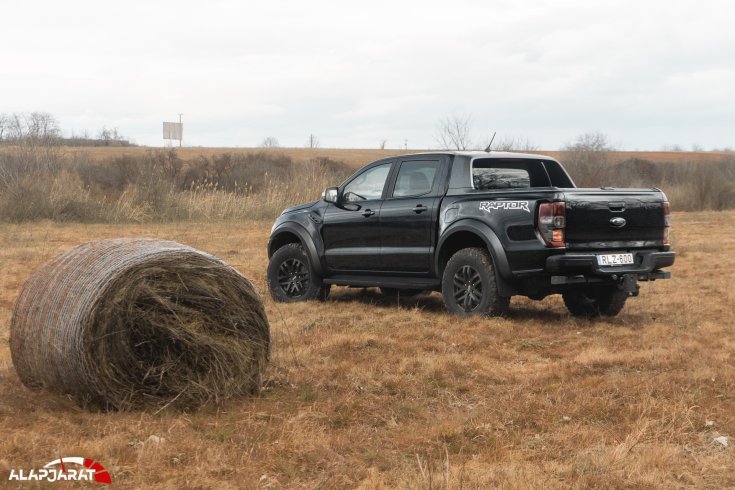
[384, 281]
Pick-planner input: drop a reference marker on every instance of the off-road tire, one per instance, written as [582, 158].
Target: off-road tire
[591, 302]
[291, 277]
[469, 286]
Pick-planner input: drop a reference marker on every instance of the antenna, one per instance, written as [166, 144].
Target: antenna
[491, 141]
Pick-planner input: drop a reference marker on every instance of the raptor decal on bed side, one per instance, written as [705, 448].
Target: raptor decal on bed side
[509, 205]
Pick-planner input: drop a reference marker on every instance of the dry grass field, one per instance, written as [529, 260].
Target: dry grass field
[358, 157]
[353, 157]
[364, 392]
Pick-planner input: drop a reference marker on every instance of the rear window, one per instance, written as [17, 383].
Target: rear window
[493, 173]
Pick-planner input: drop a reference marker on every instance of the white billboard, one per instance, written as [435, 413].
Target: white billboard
[173, 131]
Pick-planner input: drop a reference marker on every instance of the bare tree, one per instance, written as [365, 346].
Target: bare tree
[593, 141]
[510, 143]
[313, 141]
[105, 135]
[36, 126]
[587, 159]
[270, 142]
[382, 144]
[43, 126]
[35, 139]
[111, 137]
[4, 124]
[454, 132]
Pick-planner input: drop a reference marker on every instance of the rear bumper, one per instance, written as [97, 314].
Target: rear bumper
[645, 262]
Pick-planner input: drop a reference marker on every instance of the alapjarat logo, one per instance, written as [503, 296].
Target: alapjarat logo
[64, 469]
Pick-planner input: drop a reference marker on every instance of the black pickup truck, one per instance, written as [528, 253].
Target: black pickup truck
[479, 227]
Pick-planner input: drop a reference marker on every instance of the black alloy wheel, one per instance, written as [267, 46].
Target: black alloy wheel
[293, 277]
[467, 288]
[469, 285]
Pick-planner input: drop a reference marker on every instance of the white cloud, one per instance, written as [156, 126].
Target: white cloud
[647, 73]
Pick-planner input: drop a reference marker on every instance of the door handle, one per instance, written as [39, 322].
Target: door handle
[368, 212]
[420, 208]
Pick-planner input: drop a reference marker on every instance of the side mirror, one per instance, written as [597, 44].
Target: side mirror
[331, 194]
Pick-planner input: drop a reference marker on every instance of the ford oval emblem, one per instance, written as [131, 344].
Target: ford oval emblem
[617, 222]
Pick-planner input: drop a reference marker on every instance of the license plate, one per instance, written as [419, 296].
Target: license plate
[615, 259]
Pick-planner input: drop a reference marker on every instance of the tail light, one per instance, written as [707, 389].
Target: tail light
[552, 221]
[667, 222]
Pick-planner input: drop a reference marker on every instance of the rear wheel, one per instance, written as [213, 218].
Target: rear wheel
[291, 278]
[469, 286]
[595, 301]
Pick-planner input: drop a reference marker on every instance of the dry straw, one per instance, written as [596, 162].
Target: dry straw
[129, 322]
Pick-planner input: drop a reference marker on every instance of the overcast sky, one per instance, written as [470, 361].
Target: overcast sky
[646, 73]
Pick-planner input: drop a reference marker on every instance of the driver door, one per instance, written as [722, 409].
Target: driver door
[351, 228]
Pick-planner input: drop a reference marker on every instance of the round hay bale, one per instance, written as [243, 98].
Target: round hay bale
[129, 322]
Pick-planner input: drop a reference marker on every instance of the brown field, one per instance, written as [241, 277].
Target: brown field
[359, 157]
[364, 392]
[353, 157]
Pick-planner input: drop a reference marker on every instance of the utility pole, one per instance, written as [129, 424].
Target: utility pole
[181, 128]
[405, 144]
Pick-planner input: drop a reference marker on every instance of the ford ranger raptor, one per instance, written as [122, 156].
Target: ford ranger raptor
[478, 227]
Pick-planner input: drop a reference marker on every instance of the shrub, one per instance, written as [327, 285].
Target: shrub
[158, 186]
[43, 183]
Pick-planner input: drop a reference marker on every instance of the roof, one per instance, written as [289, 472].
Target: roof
[486, 154]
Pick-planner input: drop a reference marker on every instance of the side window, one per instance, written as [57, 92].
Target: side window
[367, 185]
[558, 176]
[415, 178]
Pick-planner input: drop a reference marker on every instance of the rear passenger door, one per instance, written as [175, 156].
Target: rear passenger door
[408, 217]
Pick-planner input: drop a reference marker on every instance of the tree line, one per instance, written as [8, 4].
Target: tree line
[42, 128]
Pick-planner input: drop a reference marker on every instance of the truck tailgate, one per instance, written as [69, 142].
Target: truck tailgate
[614, 218]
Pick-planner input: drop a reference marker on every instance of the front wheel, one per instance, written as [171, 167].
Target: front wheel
[469, 286]
[291, 278]
[592, 302]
